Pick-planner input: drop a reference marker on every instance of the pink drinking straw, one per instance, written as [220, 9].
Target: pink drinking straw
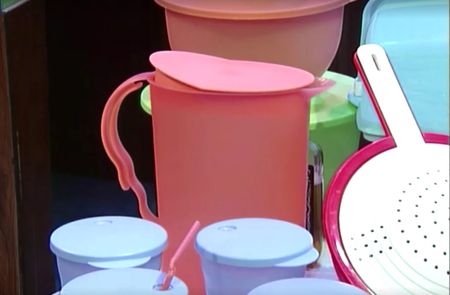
[170, 273]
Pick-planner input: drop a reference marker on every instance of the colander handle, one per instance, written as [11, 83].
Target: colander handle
[114, 147]
[387, 96]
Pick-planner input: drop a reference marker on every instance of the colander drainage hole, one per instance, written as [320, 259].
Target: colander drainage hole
[425, 259]
[445, 253]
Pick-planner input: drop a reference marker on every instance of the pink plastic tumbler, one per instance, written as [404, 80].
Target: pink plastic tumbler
[230, 140]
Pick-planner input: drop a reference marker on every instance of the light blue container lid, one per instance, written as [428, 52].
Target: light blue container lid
[108, 239]
[306, 286]
[122, 281]
[415, 35]
[256, 242]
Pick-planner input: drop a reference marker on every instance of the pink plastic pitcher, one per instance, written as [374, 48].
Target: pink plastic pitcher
[230, 141]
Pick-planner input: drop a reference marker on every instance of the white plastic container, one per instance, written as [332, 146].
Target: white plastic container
[104, 242]
[306, 286]
[124, 281]
[239, 254]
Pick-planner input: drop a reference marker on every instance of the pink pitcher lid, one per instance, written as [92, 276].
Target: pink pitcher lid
[250, 9]
[210, 73]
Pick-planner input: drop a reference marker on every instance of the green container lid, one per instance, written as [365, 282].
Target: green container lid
[331, 107]
[145, 100]
[327, 109]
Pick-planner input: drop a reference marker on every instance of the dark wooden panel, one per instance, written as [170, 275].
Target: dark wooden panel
[24, 28]
[9, 265]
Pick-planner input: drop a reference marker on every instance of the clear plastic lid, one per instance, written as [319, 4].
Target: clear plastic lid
[132, 281]
[255, 242]
[306, 286]
[105, 238]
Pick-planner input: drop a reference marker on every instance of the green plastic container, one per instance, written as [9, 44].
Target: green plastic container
[332, 123]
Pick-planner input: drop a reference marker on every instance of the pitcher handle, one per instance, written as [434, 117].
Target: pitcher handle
[114, 147]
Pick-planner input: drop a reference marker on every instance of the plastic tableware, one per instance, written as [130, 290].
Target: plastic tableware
[332, 132]
[297, 286]
[96, 243]
[239, 254]
[230, 140]
[386, 212]
[304, 34]
[415, 35]
[332, 122]
[130, 281]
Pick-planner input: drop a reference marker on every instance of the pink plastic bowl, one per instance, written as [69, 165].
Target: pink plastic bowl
[304, 34]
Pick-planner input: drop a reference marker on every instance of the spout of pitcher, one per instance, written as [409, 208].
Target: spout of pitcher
[318, 86]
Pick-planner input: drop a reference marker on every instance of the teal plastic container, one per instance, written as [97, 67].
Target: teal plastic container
[415, 35]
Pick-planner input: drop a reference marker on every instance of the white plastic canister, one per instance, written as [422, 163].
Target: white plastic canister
[239, 254]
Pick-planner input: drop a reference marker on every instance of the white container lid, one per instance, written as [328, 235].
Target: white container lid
[122, 281]
[306, 286]
[255, 242]
[107, 238]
